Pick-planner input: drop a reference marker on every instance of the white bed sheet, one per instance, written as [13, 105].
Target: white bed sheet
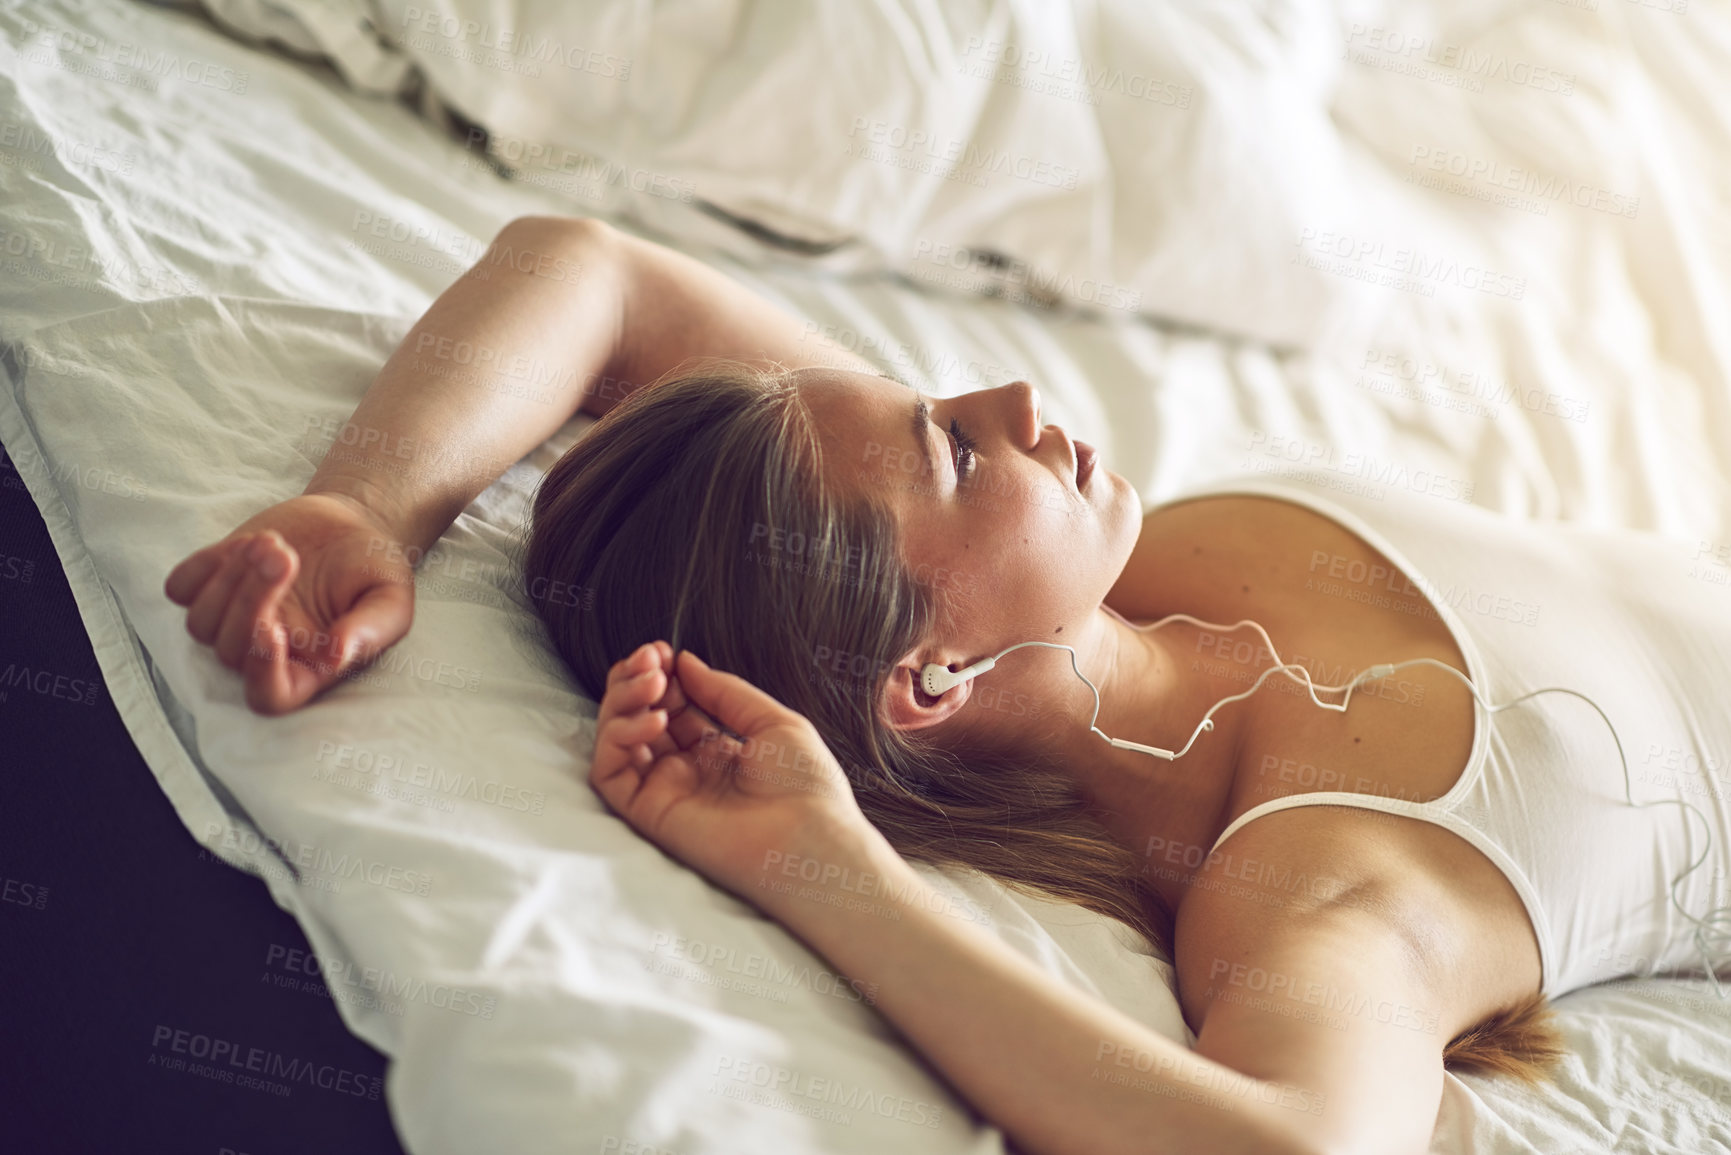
[193, 289]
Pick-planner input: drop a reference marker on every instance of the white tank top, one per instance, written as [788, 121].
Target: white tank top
[1639, 623]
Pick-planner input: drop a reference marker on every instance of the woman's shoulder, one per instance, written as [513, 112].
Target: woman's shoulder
[1352, 880]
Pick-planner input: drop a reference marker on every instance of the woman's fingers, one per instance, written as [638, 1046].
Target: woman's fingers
[632, 695]
[275, 683]
[654, 792]
[629, 679]
[188, 578]
[690, 726]
[643, 658]
[211, 605]
[729, 699]
[642, 679]
[636, 729]
[270, 569]
[674, 699]
[619, 748]
[377, 620]
[645, 793]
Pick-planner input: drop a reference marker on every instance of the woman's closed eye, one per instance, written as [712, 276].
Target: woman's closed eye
[963, 456]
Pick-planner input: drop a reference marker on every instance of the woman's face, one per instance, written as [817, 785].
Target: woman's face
[989, 505]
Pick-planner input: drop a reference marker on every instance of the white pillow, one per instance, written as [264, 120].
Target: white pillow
[1165, 158]
[541, 977]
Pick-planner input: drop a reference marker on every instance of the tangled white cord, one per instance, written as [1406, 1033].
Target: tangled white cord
[1714, 926]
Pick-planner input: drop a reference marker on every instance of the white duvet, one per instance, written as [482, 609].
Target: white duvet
[209, 251]
[1125, 155]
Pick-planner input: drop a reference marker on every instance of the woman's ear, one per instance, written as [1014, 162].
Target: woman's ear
[908, 707]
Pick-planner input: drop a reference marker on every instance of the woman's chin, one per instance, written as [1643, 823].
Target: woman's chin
[1123, 506]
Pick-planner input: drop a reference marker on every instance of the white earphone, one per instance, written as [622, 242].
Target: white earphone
[937, 680]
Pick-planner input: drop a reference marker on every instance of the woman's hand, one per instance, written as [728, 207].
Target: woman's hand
[298, 597]
[720, 805]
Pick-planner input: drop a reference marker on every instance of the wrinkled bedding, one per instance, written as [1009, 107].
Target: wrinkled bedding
[209, 250]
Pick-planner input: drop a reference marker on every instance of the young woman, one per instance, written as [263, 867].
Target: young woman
[780, 540]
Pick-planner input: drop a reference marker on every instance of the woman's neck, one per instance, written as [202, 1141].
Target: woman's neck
[1154, 690]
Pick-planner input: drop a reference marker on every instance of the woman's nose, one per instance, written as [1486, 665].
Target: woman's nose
[1033, 395]
[1027, 412]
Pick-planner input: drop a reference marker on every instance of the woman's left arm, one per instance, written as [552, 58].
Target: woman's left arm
[772, 818]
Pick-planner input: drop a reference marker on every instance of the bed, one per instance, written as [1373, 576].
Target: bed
[1474, 251]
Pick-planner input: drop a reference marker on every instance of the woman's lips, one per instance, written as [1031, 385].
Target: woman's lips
[1085, 459]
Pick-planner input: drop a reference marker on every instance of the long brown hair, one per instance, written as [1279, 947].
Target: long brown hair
[700, 510]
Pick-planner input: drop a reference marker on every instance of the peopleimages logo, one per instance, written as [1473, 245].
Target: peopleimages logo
[49, 684]
[1399, 267]
[951, 265]
[229, 1062]
[1384, 369]
[805, 1094]
[521, 48]
[1039, 69]
[888, 142]
[345, 763]
[27, 144]
[306, 859]
[51, 46]
[378, 981]
[1296, 457]
[1457, 65]
[1525, 181]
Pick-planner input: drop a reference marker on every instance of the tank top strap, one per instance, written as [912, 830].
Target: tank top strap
[1329, 798]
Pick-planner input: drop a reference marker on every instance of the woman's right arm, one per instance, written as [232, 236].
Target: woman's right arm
[773, 819]
[559, 314]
